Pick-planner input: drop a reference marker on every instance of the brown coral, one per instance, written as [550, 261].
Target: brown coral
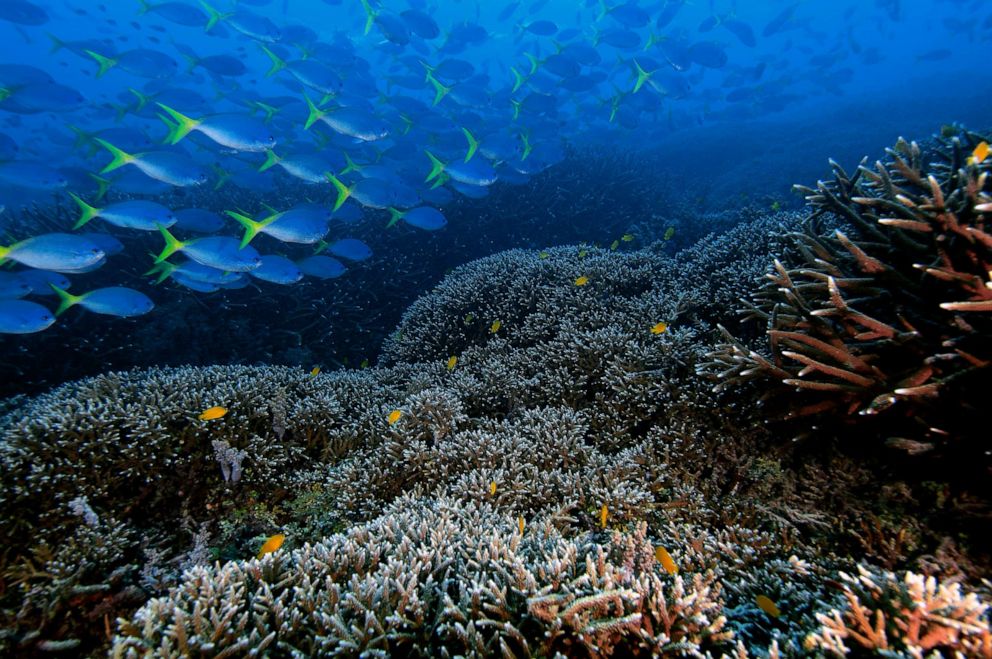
[888, 317]
[915, 615]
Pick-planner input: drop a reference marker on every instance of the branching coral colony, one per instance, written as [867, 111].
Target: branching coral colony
[886, 323]
[568, 485]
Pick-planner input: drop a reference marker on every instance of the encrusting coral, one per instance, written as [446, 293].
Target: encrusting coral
[567, 485]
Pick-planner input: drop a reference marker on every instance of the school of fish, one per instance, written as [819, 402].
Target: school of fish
[376, 110]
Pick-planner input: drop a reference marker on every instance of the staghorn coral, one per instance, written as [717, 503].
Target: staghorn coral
[533, 293]
[129, 445]
[403, 538]
[915, 616]
[887, 318]
[437, 577]
[318, 457]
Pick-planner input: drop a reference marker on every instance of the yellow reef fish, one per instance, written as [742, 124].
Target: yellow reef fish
[627, 237]
[364, 364]
[981, 152]
[603, 514]
[520, 524]
[492, 488]
[659, 328]
[662, 556]
[768, 606]
[614, 245]
[273, 543]
[394, 416]
[212, 413]
[543, 255]
[582, 253]
[469, 317]
[776, 205]
[315, 371]
[581, 281]
[495, 326]
[451, 362]
[669, 232]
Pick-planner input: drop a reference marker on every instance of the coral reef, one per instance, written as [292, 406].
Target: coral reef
[568, 485]
[437, 577]
[887, 318]
[914, 616]
[876, 320]
[342, 321]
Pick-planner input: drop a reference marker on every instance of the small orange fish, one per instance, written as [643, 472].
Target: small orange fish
[451, 362]
[495, 326]
[520, 524]
[315, 371]
[581, 281]
[980, 153]
[662, 556]
[272, 544]
[492, 488]
[659, 328]
[768, 606]
[212, 413]
[394, 416]
[603, 514]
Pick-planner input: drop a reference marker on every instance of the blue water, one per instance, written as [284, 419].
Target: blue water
[572, 147]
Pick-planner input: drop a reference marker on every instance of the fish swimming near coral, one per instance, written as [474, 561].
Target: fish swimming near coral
[58, 252]
[111, 301]
[394, 416]
[24, 317]
[662, 556]
[980, 153]
[581, 281]
[767, 605]
[272, 544]
[451, 362]
[130, 214]
[212, 413]
[659, 328]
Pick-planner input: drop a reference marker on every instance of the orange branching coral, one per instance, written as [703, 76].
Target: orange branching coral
[887, 317]
[915, 615]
